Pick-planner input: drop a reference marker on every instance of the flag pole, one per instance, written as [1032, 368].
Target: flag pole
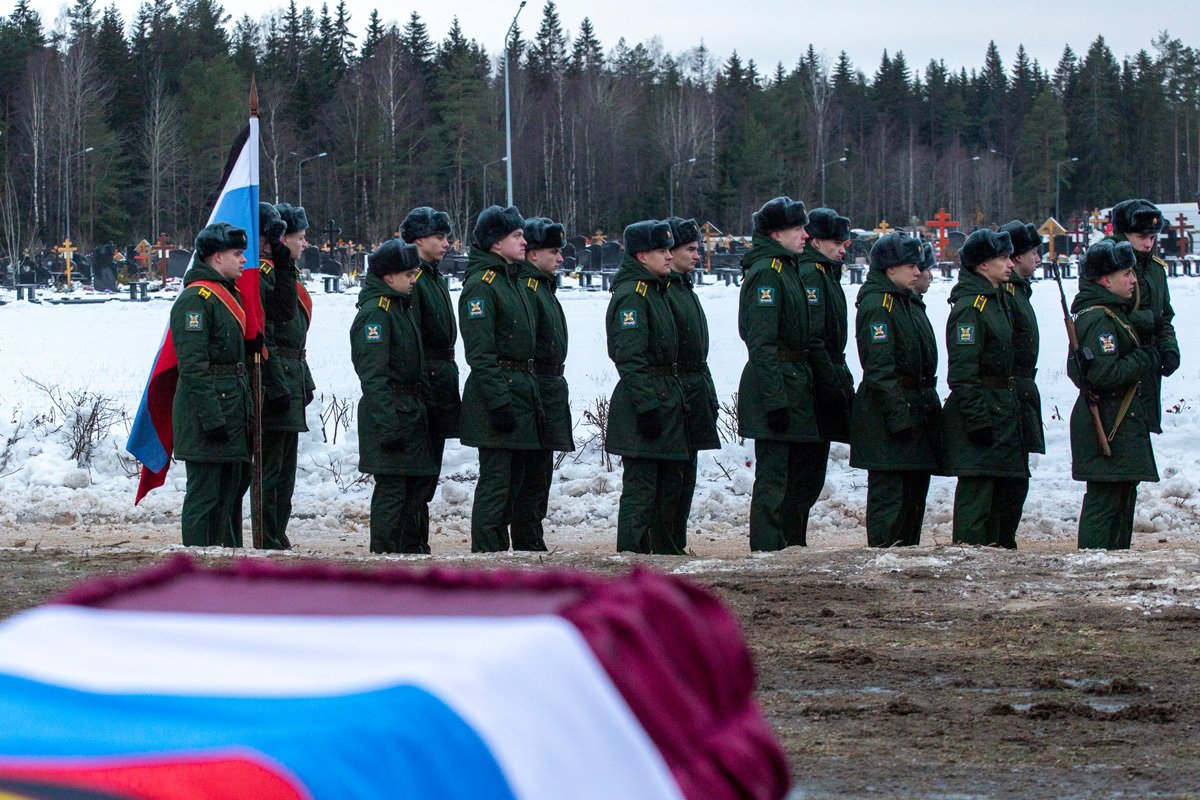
[256, 388]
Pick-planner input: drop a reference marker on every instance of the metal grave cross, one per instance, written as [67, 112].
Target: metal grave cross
[331, 234]
[942, 223]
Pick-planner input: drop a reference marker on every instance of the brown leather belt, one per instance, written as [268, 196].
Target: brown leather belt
[515, 366]
[238, 369]
[289, 352]
[995, 382]
[664, 370]
[410, 389]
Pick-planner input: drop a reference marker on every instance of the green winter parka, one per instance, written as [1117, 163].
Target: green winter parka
[286, 306]
[385, 346]
[214, 386]
[1105, 328]
[434, 312]
[550, 356]
[699, 392]
[499, 330]
[780, 337]
[897, 417]
[979, 341]
[833, 384]
[1026, 345]
[643, 343]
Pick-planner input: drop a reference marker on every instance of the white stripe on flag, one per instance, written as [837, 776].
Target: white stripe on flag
[530, 686]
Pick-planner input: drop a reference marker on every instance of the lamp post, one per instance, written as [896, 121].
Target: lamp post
[300, 176]
[1008, 163]
[823, 166]
[955, 173]
[508, 107]
[485, 166]
[1058, 181]
[84, 151]
[671, 183]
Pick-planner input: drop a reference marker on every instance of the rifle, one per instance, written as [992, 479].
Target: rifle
[1089, 397]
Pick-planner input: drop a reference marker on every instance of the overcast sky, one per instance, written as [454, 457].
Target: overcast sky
[770, 31]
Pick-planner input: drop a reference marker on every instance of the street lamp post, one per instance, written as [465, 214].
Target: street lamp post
[69, 159]
[1058, 181]
[300, 176]
[485, 166]
[1008, 163]
[823, 166]
[955, 173]
[671, 183]
[508, 108]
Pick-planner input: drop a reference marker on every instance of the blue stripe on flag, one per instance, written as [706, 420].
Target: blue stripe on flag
[396, 742]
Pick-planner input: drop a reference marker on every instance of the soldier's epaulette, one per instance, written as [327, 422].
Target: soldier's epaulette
[420, 272]
[1159, 261]
[204, 293]
[1008, 287]
[532, 283]
[820, 267]
[888, 301]
[776, 265]
[641, 288]
[265, 267]
[385, 303]
[980, 302]
[489, 276]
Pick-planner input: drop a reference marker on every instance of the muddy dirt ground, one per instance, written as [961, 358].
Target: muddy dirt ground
[938, 672]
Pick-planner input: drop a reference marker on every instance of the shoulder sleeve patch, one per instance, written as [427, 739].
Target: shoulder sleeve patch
[194, 321]
[385, 303]
[814, 296]
[476, 308]
[489, 276]
[879, 332]
[980, 303]
[373, 332]
[629, 318]
[966, 334]
[766, 295]
[776, 265]
[641, 288]
[1108, 343]
[888, 302]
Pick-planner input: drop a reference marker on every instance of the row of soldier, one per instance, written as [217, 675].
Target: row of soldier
[796, 393]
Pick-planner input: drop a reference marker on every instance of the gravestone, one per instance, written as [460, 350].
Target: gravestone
[578, 243]
[310, 259]
[105, 279]
[568, 251]
[610, 255]
[330, 265]
[588, 259]
[177, 263]
[955, 240]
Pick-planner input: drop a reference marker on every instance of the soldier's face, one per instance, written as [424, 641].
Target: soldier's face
[924, 278]
[685, 258]
[1026, 263]
[995, 270]
[792, 239]
[228, 263]
[433, 248]
[295, 243]
[833, 250]
[512, 247]
[401, 282]
[657, 261]
[1121, 283]
[1142, 242]
[904, 276]
[546, 259]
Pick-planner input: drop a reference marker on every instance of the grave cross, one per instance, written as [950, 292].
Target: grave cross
[942, 223]
[143, 256]
[1098, 220]
[162, 248]
[66, 249]
[884, 228]
[331, 234]
[1182, 228]
[1080, 232]
[1051, 229]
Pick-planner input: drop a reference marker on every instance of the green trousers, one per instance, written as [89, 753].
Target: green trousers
[279, 483]
[212, 504]
[1106, 520]
[678, 526]
[508, 479]
[650, 490]
[528, 508]
[895, 507]
[981, 507]
[788, 478]
[428, 488]
[394, 515]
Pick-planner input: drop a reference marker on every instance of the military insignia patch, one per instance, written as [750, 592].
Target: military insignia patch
[879, 332]
[205, 293]
[195, 321]
[476, 309]
[766, 296]
[966, 334]
[629, 318]
[1108, 343]
[489, 276]
[814, 296]
[374, 334]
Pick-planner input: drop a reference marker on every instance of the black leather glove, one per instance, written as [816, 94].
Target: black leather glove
[982, 437]
[904, 434]
[392, 445]
[778, 419]
[828, 395]
[649, 424]
[254, 346]
[503, 419]
[1170, 362]
[217, 435]
[281, 256]
[278, 405]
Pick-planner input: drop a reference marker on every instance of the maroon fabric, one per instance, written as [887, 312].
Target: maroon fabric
[674, 652]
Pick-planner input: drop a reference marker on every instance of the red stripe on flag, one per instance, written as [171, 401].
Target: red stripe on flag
[160, 394]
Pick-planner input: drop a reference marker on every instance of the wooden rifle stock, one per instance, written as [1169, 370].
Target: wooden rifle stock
[1089, 397]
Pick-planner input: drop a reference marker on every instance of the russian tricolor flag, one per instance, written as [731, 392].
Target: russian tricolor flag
[150, 438]
[269, 682]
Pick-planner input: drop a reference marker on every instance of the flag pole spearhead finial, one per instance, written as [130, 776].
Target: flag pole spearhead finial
[253, 97]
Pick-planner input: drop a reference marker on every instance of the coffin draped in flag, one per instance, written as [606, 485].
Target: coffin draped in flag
[150, 439]
[317, 682]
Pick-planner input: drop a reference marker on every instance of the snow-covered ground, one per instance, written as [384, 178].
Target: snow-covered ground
[107, 349]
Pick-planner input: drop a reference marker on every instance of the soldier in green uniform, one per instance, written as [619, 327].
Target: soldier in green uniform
[646, 413]
[897, 414]
[288, 385]
[429, 230]
[1025, 257]
[1121, 369]
[699, 392]
[501, 408]
[775, 395]
[212, 403]
[1139, 223]
[393, 426]
[981, 438]
[544, 240]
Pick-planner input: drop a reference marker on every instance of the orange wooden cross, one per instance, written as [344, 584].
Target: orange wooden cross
[1098, 221]
[884, 228]
[1050, 229]
[66, 249]
[1181, 229]
[143, 255]
[942, 223]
